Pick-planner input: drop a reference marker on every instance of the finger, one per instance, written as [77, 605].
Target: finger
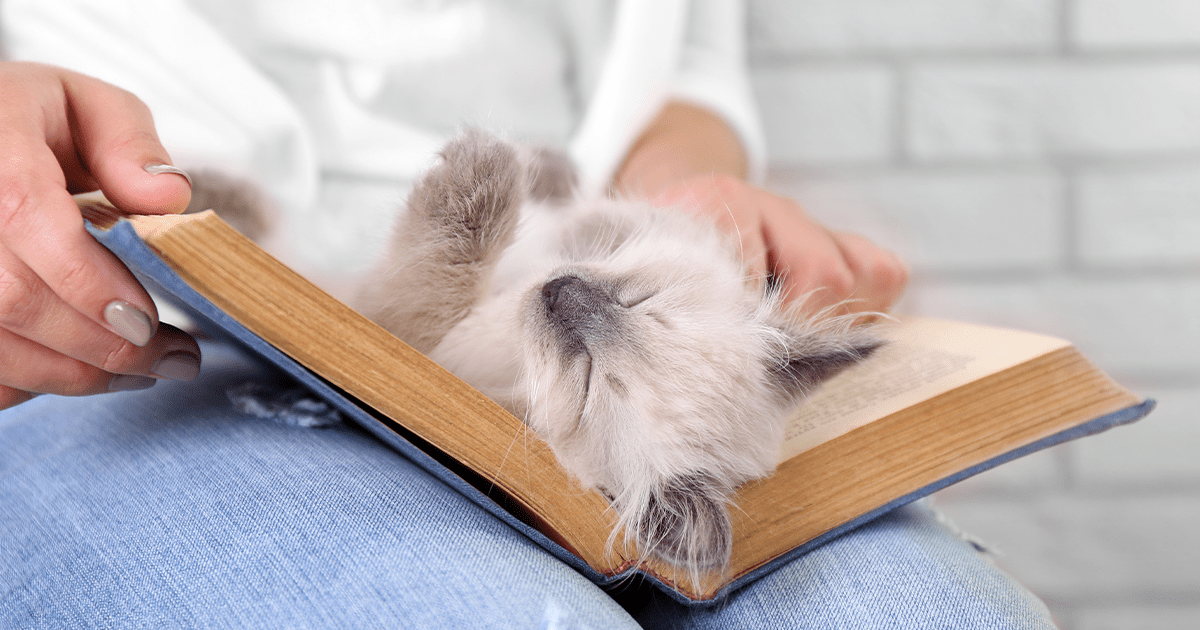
[728, 207]
[44, 232]
[98, 134]
[30, 367]
[810, 267]
[880, 275]
[39, 223]
[755, 256]
[116, 140]
[29, 309]
[10, 397]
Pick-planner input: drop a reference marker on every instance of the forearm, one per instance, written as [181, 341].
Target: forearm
[683, 141]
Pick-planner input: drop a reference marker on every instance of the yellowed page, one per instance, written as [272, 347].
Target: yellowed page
[923, 358]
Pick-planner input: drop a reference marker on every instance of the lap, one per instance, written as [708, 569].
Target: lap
[903, 570]
[168, 507]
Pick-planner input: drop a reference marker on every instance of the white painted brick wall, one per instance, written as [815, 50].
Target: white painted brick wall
[1072, 548]
[1135, 24]
[1038, 162]
[1140, 217]
[1035, 473]
[943, 221]
[838, 114]
[1160, 451]
[784, 27]
[1169, 615]
[1046, 109]
[1126, 325]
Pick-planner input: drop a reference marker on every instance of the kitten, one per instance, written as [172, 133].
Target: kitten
[627, 336]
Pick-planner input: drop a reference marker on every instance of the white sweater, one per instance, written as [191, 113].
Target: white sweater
[335, 107]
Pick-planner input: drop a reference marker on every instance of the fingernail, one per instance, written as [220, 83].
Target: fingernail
[130, 382]
[177, 366]
[129, 322]
[155, 169]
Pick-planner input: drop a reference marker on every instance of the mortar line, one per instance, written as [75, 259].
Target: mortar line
[1067, 46]
[982, 166]
[1054, 53]
[901, 139]
[1071, 222]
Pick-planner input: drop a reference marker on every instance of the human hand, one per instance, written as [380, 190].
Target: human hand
[816, 268]
[73, 319]
[691, 159]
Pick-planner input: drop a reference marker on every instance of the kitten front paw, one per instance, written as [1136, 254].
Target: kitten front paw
[472, 198]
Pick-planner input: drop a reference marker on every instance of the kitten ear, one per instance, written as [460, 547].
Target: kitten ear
[808, 357]
[687, 524]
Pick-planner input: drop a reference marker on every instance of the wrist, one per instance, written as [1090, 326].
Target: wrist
[683, 142]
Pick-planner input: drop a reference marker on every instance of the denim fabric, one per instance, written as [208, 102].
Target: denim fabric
[904, 570]
[168, 507]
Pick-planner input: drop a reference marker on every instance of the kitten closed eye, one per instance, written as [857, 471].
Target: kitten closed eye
[637, 300]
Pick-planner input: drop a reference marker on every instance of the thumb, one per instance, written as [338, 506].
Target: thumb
[115, 136]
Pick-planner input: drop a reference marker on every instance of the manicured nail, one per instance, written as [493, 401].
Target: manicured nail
[130, 382]
[177, 366]
[155, 169]
[129, 322]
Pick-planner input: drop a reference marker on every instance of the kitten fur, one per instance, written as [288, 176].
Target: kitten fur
[239, 203]
[627, 336]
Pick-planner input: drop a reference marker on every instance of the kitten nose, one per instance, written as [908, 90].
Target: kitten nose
[572, 296]
[580, 312]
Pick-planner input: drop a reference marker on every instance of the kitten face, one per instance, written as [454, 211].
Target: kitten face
[627, 336]
[657, 371]
[643, 358]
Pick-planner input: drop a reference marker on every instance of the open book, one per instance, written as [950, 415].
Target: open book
[940, 402]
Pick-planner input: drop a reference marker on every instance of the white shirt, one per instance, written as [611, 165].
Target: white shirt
[334, 108]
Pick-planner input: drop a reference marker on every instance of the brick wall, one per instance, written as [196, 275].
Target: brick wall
[1038, 163]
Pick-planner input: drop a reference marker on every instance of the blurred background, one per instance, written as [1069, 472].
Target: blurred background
[1038, 163]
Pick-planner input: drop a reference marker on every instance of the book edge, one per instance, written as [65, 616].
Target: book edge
[1100, 424]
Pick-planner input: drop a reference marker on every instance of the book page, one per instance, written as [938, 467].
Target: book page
[922, 358]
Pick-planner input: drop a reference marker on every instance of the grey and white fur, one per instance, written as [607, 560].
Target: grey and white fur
[627, 336]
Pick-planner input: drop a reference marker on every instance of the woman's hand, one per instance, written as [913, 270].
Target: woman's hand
[73, 320]
[816, 268]
[690, 159]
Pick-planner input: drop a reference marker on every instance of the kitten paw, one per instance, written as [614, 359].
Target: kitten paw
[472, 199]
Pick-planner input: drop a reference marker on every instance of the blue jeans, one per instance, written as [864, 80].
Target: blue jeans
[168, 508]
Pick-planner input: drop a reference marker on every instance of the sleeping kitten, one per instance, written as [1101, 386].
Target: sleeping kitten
[627, 336]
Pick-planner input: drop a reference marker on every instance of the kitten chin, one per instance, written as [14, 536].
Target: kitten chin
[627, 336]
